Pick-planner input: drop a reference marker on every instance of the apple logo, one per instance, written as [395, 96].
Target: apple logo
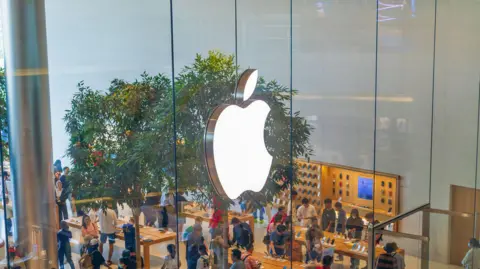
[235, 153]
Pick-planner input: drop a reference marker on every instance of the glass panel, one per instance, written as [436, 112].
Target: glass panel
[111, 96]
[334, 73]
[264, 32]
[403, 116]
[205, 77]
[454, 165]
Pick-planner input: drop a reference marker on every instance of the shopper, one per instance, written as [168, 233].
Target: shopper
[399, 257]
[194, 241]
[108, 221]
[281, 212]
[313, 238]
[89, 228]
[472, 258]
[129, 235]
[170, 261]
[387, 260]
[203, 262]
[340, 224]
[306, 212]
[277, 241]
[219, 247]
[93, 214]
[64, 248]
[189, 229]
[237, 260]
[354, 231]
[61, 198]
[242, 234]
[370, 217]
[292, 207]
[260, 210]
[96, 257]
[328, 217]
[327, 262]
[249, 261]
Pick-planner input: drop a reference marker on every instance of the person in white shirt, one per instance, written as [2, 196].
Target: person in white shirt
[93, 214]
[170, 261]
[108, 223]
[306, 212]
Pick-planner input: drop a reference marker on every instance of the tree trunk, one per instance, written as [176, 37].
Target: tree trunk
[225, 238]
[136, 215]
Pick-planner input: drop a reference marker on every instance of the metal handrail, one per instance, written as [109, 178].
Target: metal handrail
[401, 216]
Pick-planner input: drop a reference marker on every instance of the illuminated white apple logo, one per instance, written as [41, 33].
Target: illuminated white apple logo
[235, 152]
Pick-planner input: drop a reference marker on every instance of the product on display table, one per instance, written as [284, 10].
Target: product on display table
[354, 249]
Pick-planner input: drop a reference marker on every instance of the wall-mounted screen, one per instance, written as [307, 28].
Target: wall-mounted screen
[365, 188]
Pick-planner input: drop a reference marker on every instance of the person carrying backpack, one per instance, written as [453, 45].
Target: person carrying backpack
[387, 260]
[242, 234]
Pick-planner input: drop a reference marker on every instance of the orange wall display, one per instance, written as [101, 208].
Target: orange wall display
[355, 188]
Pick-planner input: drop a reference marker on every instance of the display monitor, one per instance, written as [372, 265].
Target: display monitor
[365, 188]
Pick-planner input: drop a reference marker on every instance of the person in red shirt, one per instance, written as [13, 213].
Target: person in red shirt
[281, 212]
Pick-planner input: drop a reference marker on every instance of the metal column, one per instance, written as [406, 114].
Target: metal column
[30, 131]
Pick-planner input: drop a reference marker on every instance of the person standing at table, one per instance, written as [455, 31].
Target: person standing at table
[328, 217]
[61, 199]
[89, 228]
[108, 222]
[306, 213]
[354, 231]
[340, 224]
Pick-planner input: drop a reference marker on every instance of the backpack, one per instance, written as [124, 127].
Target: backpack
[86, 262]
[246, 238]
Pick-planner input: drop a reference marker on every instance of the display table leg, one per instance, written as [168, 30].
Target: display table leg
[146, 256]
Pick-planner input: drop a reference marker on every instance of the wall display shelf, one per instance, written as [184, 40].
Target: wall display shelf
[355, 188]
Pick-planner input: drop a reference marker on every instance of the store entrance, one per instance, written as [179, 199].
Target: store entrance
[461, 228]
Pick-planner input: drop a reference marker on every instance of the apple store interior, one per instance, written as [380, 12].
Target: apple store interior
[240, 134]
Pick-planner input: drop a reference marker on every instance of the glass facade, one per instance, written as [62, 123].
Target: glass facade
[273, 133]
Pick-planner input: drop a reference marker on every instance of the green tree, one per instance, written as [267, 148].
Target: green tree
[105, 129]
[3, 113]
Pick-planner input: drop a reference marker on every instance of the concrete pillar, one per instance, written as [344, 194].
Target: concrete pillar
[30, 131]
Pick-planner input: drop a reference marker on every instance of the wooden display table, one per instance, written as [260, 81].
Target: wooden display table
[189, 213]
[270, 263]
[149, 236]
[343, 246]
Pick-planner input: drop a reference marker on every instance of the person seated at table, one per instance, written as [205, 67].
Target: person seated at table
[277, 241]
[249, 261]
[129, 234]
[237, 260]
[242, 234]
[203, 261]
[313, 238]
[89, 228]
[170, 261]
